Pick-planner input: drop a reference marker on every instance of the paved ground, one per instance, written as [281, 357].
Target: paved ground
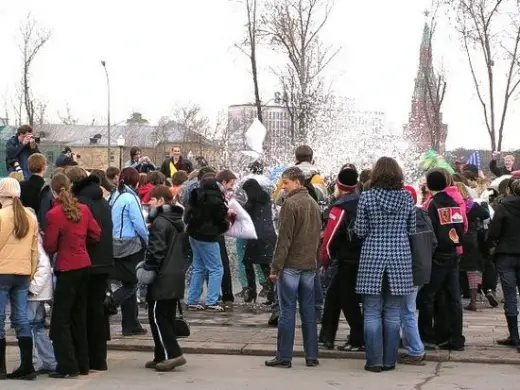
[243, 330]
[217, 372]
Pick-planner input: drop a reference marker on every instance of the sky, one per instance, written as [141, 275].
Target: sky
[163, 53]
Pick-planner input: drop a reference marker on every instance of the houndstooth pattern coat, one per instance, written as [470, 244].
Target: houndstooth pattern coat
[384, 220]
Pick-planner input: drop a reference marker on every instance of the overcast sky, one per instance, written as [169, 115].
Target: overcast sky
[163, 52]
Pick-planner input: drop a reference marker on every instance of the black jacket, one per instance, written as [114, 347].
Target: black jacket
[505, 227]
[30, 192]
[182, 165]
[448, 225]
[45, 204]
[500, 171]
[472, 259]
[345, 245]
[166, 254]
[88, 192]
[259, 207]
[64, 161]
[206, 213]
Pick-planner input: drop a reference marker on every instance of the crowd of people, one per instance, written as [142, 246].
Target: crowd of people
[366, 244]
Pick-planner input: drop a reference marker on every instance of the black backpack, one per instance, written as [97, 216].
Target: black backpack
[310, 187]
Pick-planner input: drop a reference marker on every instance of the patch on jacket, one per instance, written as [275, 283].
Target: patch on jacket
[449, 215]
[454, 236]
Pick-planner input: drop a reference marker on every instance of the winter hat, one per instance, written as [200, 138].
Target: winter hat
[9, 188]
[412, 192]
[347, 179]
[436, 181]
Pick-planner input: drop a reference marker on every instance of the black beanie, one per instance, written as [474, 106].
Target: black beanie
[436, 181]
[347, 179]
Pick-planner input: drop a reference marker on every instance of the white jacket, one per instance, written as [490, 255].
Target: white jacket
[41, 287]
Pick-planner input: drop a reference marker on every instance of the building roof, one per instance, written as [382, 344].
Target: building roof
[143, 136]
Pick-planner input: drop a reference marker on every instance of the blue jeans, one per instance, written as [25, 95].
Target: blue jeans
[411, 339]
[508, 267]
[15, 289]
[206, 259]
[382, 323]
[43, 350]
[318, 296]
[296, 285]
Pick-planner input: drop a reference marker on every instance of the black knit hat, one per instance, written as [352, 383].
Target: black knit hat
[347, 179]
[436, 181]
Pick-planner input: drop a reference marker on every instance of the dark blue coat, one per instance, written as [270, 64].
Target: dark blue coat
[385, 218]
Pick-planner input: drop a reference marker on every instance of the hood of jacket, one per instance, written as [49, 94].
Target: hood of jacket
[455, 194]
[172, 213]
[512, 205]
[392, 201]
[88, 187]
[308, 169]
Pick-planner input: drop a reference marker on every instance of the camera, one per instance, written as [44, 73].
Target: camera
[37, 139]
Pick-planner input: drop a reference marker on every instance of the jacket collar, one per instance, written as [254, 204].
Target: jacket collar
[301, 190]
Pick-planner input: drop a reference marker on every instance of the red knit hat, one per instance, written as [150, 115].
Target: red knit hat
[412, 192]
[347, 180]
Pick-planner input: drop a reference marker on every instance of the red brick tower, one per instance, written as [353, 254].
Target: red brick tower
[421, 129]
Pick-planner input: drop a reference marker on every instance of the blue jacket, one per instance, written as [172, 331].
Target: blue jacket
[127, 215]
[16, 151]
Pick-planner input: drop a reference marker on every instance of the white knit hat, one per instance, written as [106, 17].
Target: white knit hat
[9, 188]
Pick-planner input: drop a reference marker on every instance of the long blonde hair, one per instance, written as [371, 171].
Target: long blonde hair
[21, 220]
[60, 184]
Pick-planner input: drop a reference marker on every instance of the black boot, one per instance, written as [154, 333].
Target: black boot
[26, 369]
[513, 340]
[3, 369]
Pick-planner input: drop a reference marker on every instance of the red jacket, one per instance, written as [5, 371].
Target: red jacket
[144, 193]
[69, 239]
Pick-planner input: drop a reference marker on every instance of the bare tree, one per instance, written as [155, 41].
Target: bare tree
[194, 125]
[249, 46]
[17, 104]
[68, 118]
[294, 27]
[40, 112]
[490, 32]
[33, 39]
[434, 90]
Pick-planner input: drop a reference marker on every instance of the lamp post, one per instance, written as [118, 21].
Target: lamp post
[121, 143]
[108, 110]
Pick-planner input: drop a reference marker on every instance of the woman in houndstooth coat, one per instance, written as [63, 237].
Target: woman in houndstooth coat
[385, 218]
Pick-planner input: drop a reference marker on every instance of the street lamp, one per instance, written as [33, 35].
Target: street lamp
[108, 110]
[121, 143]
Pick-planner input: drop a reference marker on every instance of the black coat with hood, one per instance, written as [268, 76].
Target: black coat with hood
[166, 254]
[259, 207]
[206, 212]
[88, 192]
[505, 226]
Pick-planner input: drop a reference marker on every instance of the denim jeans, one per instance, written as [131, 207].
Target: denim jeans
[508, 268]
[411, 339]
[318, 296]
[296, 285]
[15, 289]
[382, 322]
[43, 351]
[125, 296]
[206, 259]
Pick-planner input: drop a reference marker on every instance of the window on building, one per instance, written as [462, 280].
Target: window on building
[50, 157]
[112, 157]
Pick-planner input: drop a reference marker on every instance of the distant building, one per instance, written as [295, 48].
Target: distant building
[90, 142]
[423, 130]
[278, 145]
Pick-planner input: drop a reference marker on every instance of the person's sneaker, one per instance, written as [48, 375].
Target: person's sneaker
[150, 365]
[430, 346]
[326, 345]
[215, 307]
[136, 332]
[387, 368]
[312, 362]
[375, 369]
[62, 375]
[507, 342]
[278, 363]
[195, 307]
[412, 360]
[492, 299]
[171, 364]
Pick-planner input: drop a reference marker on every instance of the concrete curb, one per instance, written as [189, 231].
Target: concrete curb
[267, 350]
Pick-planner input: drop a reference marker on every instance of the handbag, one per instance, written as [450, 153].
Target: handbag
[182, 328]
